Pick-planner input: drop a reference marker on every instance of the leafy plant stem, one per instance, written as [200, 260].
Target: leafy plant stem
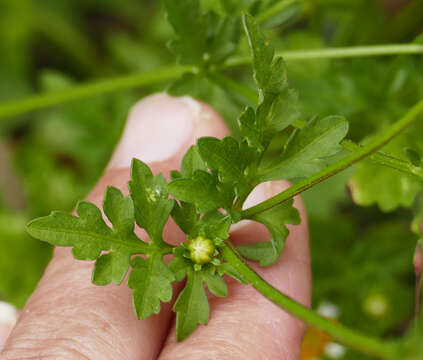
[336, 53]
[340, 332]
[42, 101]
[340, 165]
[377, 157]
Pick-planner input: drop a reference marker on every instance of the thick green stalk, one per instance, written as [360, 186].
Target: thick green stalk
[340, 165]
[340, 52]
[42, 101]
[339, 332]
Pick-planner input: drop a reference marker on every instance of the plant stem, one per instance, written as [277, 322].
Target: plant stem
[162, 74]
[340, 52]
[340, 165]
[339, 332]
[42, 101]
[378, 157]
[275, 10]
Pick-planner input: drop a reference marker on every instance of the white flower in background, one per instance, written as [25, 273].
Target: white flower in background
[334, 350]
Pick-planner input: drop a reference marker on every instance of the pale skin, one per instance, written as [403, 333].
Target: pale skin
[69, 318]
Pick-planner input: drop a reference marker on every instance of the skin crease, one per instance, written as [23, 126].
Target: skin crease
[69, 318]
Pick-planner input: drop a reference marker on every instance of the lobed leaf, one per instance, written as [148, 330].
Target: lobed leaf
[150, 196]
[192, 306]
[275, 219]
[305, 149]
[190, 28]
[89, 235]
[151, 282]
[200, 190]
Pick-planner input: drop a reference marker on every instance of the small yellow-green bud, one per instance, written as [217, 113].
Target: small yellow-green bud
[201, 249]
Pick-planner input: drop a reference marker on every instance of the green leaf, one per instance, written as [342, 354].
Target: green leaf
[151, 202]
[200, 190]
[250, 129]
[278, 105]
[89, 235]
[268, 72]
[192, 161]
[388, 188]
[413, 156]
[190, 28]
[305, 149]
[150, 281]
[274, 219]
[223, 155]
[214, 225]
[215, 282]
[192, 306]
[185, 216]
[225, 40]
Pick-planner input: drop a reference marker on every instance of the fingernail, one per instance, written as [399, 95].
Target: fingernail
[8, 316]
[158, 127]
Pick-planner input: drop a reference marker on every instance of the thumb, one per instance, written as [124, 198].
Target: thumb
[67, 316]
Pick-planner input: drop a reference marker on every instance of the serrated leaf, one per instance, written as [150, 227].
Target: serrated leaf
[192, 161]
[192, 306]
[214, 225]
[250, 129]
[283, 113]
[151, 282]
[268, 72]
[190, 28]
[185, 216]
[275, 219]
[278, 105]
[199, 190]
[151, 202]
[223, 155]
[89, 235]
[305, 149]
[215, 283]
[180, 266]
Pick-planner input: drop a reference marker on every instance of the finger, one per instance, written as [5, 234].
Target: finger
[8, 316]
[245, 325]
[69, 318]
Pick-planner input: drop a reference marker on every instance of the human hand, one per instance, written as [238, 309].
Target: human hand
[68, 317]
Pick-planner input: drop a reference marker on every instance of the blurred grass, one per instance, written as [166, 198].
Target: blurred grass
[55, 156]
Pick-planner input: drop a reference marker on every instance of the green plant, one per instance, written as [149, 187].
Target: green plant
[217, 174]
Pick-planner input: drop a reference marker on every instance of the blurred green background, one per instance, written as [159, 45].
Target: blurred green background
[361, 256]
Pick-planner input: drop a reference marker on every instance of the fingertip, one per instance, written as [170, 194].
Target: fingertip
[161, 128]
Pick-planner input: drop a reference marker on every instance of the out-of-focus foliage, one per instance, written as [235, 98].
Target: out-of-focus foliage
[362, 257]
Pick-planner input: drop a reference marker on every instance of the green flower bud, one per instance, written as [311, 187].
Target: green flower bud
[201, 249]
